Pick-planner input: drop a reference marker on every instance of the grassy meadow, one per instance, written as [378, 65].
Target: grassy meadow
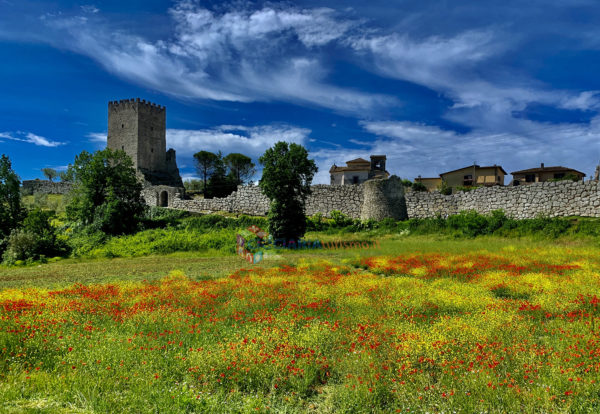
[424, 323]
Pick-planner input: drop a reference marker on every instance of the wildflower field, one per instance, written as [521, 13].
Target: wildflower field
[505, 330]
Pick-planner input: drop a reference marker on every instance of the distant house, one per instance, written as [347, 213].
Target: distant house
[430, 183]
[359, 170]
[475, 175]
[542, 174]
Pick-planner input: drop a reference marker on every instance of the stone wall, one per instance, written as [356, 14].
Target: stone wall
[383, 199]
[45, 187]
[250, 200]
[554, 199]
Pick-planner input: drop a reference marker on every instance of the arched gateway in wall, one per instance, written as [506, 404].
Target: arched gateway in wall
[163, 199]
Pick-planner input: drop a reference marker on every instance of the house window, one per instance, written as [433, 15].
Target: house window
[559, 175]
[530, 178]
[355, 179]
[468, 179]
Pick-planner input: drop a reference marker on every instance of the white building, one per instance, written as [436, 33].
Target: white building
[359, 170]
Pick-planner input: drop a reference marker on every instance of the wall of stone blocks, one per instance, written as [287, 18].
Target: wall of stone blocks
[250, 200]
[553, 199]
[45, 187]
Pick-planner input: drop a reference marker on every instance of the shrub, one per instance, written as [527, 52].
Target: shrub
[35, 240]
[419, 187]
[316, 223]
[469, 223]
[339, 219]
[444, 188]
[21, 245]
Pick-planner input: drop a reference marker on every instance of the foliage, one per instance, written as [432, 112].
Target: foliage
[567, 177]
[64, 176]
[107, 193]
[407, 183]
[50, 173]
[166, 241]
[11, 211]
[466, 188]
[37, 239]
[160, 217]
[340, 219]
[206, 162]
[444, 188]
[220, 184]
[241, 168]
[418, 186]
[286, 179]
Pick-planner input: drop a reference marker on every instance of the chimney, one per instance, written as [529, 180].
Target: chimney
[542, 165]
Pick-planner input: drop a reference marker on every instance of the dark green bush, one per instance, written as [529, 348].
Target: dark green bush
[417, 186]
[36, 239]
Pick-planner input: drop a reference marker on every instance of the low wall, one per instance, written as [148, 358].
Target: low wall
[553, 199]
[250, 200]
[45, 187]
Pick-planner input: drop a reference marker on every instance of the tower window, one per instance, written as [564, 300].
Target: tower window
[151, 149]
[122, 125]
[123, 147]
[151, 128]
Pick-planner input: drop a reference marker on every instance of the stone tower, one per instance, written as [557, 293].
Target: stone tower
[139, 128]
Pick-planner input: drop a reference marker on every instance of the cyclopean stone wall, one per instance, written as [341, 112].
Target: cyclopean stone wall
[553, 199]
[378, 199]
[45, 187]
[250, 200]
[383, 199]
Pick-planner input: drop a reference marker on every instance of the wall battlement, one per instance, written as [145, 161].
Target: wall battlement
[134, 103]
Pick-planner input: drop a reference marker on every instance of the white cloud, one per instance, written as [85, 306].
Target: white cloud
[462, 68]
[242, 55]
[251, 141]
[99, 137]
[30, 138]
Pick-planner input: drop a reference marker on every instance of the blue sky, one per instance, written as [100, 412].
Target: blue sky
[435, 85]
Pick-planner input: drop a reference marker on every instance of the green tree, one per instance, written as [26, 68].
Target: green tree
[286, 179]
[64, 176]
[220, 184]
[241, 167]
[106, 193]
[206, 162]
[50, 173]
[11, 211]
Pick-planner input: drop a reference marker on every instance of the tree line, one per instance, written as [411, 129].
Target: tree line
[221, 174]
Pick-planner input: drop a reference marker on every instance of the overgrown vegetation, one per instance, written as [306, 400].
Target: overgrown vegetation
[464, 224]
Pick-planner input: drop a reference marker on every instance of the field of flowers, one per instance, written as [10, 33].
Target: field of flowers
[510, 331]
